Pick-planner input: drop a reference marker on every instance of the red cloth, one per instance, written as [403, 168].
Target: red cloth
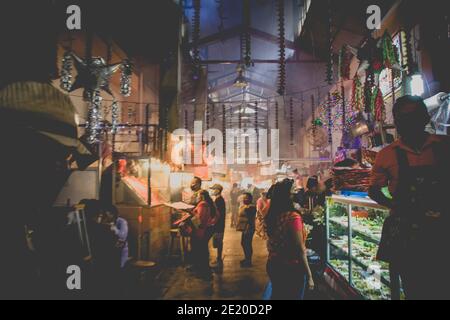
[281, 244]
[203, 213]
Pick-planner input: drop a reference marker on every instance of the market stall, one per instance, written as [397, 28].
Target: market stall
[354, 225]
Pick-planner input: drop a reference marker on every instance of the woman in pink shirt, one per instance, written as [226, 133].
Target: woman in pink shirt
[287, 264]
[204, 217]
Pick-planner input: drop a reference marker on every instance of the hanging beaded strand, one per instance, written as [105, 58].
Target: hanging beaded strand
[291, 119]
[224, 129]
[330, 120]
[282, 48]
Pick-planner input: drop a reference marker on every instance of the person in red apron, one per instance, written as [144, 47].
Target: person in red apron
[415, 237]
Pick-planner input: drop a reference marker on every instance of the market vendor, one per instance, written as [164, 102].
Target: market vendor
[415, 168]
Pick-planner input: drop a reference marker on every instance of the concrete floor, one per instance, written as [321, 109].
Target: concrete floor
[233, 283]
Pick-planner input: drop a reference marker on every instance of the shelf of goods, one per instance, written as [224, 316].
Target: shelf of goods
[353, 234]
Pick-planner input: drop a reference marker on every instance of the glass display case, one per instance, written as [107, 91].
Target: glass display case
[141, 181]
[354, 228]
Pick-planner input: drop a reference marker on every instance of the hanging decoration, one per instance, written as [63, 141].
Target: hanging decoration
[166, 128]
[291, 120]
[377, 105]
[94, 122]
[257, 126]
[186, 120]
[93, 74]
[317, 137]
[277, 114]
[66, 71]
[302, 110]
[221, 14]
[196, 19]
[343, 115]
[115, 117]
[224, 129]
[213, 113]
[390, 56]
[357, 95]
[344, 109]
[246, 40]
[125, 78]
[282, 48]
[329, 72]
[207, 117]
[330, 119]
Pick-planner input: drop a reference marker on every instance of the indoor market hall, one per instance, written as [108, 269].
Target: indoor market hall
[246, 151]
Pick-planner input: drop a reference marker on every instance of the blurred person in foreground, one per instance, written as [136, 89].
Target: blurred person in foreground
[287, 264]
[415, 237]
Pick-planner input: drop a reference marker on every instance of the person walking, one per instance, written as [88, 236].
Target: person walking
[246, 224]
[287, 264]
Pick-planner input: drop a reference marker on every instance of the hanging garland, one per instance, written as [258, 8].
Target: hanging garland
[377, 105]
[224, 129]
[186, 120]
[291, 120]
[330, 120]
[282, 48]
[343, 115]
[66, 71]
[329, 73]
[390, 59]
[302, 108]
[125, 77]
[196, 19]
[208, 117]
[257, 126]
[94, 123]
[115, 117]
[357, 95]
[277, 122]
[247, 40]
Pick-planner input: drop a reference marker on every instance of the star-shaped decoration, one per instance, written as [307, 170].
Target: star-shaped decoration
[94, 74]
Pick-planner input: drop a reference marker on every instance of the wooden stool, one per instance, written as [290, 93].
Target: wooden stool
[175, 233]
[143, 268]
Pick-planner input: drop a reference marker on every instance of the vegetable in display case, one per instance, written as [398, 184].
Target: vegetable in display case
[354, 228]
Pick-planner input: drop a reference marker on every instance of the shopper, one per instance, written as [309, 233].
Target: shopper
[416, 170]
[196, 188]
[234, 197]
[119, 227]
[203, 220]
[312, 197]
[219, 201]
[262, 207]
[287, 263]
[246, 224]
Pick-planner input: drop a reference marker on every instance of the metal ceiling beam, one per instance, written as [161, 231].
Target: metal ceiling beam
[249, 80]
[236, 32]
[228, 97]
[271, 38]
[260, 61]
